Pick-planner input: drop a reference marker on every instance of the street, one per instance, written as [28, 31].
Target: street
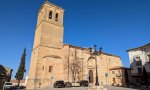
[85, 88]
[124, 88]
[73, 88]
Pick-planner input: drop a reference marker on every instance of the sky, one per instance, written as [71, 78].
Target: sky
[114, 25]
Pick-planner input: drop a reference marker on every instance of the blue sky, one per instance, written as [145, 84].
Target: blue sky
[115, 25]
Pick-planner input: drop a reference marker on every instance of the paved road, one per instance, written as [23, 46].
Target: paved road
[123, 88]
[73, 88]
[85, 88]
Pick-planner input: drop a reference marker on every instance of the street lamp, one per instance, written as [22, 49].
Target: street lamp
[96, 53]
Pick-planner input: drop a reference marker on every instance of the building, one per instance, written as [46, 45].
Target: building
[5, 75]
[118, 76]
[9, 73]
[52, 60]
[15, 82]
[139, 58]
[22, 83]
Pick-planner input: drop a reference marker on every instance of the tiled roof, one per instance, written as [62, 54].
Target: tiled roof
[88, 49]
[118, 67]
[138, 47]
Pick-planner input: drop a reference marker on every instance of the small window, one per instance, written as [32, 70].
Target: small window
[113, 72]
[131, 67]
[137, 59]
[50, 68]
[43, 68]
[56, 17]
[119, 72]
[139, 70]
[148, 57]
[50, 14]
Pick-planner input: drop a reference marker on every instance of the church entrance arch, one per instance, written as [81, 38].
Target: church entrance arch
[91, 76]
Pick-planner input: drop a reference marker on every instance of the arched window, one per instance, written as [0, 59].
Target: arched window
[56, 17]
[50, 14]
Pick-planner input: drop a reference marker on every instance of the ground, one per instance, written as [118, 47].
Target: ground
[85, 88]
[123, 88]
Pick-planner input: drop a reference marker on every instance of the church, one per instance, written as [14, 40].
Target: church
[53, 60]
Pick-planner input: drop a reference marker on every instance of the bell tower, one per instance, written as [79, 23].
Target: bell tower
[49, 29]
[48, 38]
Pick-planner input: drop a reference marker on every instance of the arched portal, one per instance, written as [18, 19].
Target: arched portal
[91, 76]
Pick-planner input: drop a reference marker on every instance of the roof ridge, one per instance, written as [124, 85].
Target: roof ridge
[138, 47]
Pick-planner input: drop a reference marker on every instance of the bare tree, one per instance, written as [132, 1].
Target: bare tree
[74, 68]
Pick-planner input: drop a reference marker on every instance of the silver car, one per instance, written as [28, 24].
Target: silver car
[8, 86]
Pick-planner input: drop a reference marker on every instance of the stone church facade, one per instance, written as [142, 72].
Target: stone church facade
[51, 58]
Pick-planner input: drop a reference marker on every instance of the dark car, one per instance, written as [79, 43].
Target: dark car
[18, 87]
[59, 84]
[68, 84]
[143, 82]
[84, 83]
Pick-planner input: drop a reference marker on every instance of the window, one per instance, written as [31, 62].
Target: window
[131, 67]
[113, 72]
[148, 57]
[50, 14]
[119, 72]
[139, 70]
[137, 58]
[138, 61]
[50, 68]
[56, 17]
[43, 68]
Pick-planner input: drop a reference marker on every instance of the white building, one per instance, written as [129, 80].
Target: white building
[139, 58]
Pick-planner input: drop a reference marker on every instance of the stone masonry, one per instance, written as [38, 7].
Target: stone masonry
[50, 56]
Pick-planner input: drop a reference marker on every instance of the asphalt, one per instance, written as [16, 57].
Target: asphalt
[85, 88]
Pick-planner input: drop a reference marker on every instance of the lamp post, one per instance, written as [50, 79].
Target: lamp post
[96, 53]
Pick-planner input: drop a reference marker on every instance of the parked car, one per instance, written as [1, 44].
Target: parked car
[143, 82]
[75, 84]
[68, 84]
[8, 86]
[59, 84]
[19, 87]
[84, 83]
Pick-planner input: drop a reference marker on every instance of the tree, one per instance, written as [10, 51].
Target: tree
[145, 76]
[74, 67]
[21, 70]
[126, 77]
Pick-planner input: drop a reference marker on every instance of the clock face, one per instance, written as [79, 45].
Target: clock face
[91, 63]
